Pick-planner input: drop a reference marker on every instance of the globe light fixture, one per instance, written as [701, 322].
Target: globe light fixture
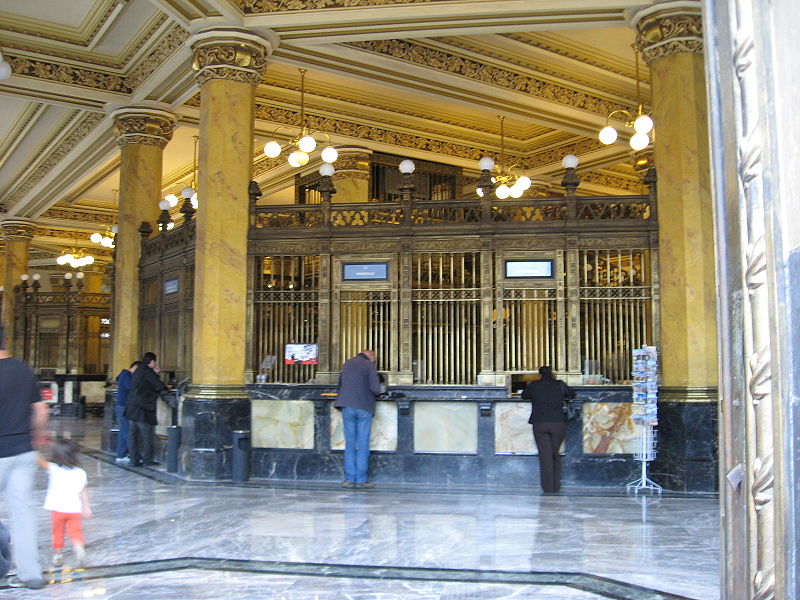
[75, 258]
[505, 181]
[641, 122]
[305, 142]
[5, 68]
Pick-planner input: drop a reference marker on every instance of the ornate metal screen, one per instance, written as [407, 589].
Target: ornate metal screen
[445, 299]
[285, 302]
[530, 319]
[365, 323]
[615, 311]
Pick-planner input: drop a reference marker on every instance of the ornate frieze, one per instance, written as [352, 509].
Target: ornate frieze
[257, 7]
[478, 71]
[17, 230]
[142, 125]
[168, 46]
[68, 74]
[668, 29]
[621, 183]
[230, 54]
[65, 214]
[84, 127]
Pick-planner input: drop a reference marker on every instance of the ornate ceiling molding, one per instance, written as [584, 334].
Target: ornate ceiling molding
[19, 129]
[69, 214]
[474, 70]
[17, 230]
[625, 184]
[55, 37]
[83, 128]
[96, 79]
[260, 7]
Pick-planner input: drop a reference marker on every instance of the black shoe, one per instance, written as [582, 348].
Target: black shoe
[152, 463]
[137, 463]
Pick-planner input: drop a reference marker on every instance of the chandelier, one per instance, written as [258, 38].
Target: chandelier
[75, 258]
[641, 122]
[304, 143]
[503, 179]
[105, 239]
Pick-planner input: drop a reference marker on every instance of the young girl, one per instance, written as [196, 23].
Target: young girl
[67, 498]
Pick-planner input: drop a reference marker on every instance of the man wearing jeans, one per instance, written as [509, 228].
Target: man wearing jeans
[358, 386]
[22, 429]
[123, 387]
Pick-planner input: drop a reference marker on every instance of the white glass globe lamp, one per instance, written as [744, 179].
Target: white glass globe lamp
[307, 143]
[639, 141]
[608, 135]
[523, 182]
[96, 238]
[172, 199]
[329, 154]
[502, 191]
[298, 158]
[187, 192]
[327, 170]
[486, 163]
[516, 191]
[272, 149]
[164, 204]
[643, 124]
[570, 161]
[407, 166]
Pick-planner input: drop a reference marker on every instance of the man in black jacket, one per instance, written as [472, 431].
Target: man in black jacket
[358, 386]
[146, 387]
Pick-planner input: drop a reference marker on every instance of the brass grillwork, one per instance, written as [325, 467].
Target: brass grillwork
[365, 323]
[530, 328]
[445, 299]
[285, 302]
[615, 311]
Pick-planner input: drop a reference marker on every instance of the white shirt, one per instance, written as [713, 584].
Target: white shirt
[64, 488]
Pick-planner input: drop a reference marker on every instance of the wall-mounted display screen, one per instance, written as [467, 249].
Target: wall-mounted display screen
[372, 271]
[301, 354]
[529, 269]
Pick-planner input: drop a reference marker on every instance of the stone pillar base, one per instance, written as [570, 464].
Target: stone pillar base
[209, 416]
[492, 379]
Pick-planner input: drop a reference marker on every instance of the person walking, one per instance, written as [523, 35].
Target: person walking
[140, 410]
[548, 395]
[22, 430]
[358, 386]
[66, 499]
[123, 388]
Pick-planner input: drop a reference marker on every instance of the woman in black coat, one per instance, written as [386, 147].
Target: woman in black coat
[549, 424]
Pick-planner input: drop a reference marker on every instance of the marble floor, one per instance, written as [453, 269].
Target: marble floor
[154, 537]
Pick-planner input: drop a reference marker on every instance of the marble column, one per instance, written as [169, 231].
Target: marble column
[671, 42]
[17, 234]
[143, 132]
[93, 360]
[229, 63]
[352, 175]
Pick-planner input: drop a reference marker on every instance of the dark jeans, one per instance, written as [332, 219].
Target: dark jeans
[141, 442]
[549, 437]
[122, 435]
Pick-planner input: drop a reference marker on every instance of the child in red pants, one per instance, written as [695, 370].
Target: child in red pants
[67, 499]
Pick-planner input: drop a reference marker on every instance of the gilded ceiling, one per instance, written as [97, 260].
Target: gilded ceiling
[420, 78]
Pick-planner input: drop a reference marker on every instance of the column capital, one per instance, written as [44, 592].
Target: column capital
[230, 53]
[667, 28]
[143, 124]
[17, 229]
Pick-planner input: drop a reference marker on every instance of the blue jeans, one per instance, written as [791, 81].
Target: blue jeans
[122, 435]
[16, 482]
[357, 425]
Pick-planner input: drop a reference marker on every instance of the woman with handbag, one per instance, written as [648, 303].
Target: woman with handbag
[548, 396]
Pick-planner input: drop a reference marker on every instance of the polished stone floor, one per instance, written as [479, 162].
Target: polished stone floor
[153, 537]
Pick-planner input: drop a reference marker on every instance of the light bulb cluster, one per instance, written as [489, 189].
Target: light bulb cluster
[303, 147]
[75, 258]
[506, 183]
[642, 125]
[104, 239]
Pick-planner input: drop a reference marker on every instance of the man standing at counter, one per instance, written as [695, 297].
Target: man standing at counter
[358, 386]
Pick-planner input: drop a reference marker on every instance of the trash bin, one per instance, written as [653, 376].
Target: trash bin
[173, 443]
[240, 459]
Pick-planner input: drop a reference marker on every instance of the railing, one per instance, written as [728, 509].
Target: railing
[457, 212]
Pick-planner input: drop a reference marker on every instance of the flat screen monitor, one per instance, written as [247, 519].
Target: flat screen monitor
[529, 269]
[370, 271]
[301, 354]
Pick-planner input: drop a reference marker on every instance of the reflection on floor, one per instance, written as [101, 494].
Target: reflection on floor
[154, 538]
